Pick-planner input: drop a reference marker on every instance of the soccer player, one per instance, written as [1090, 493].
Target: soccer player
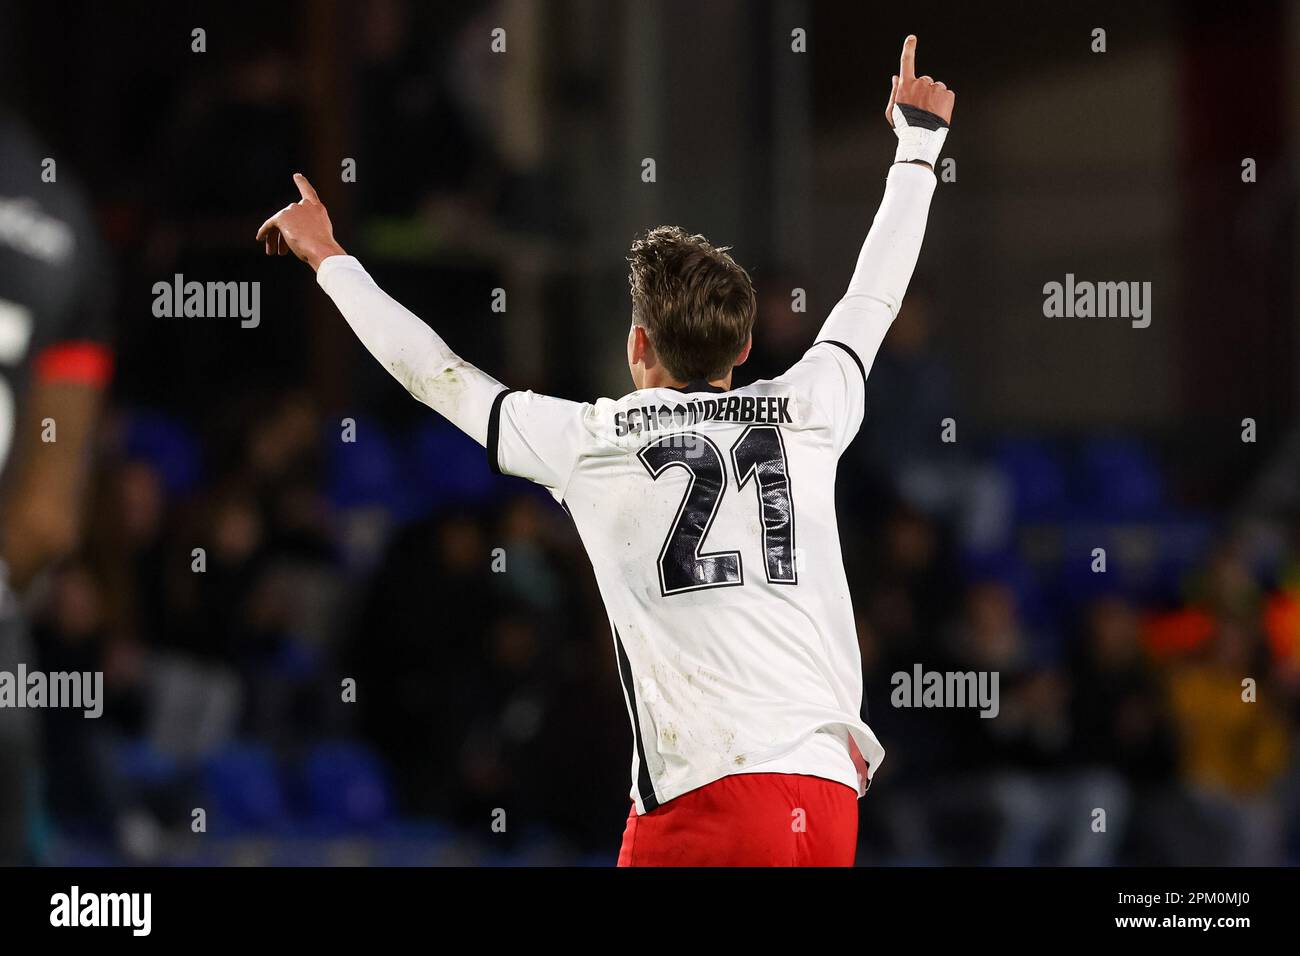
[707, 511]
[54, 364]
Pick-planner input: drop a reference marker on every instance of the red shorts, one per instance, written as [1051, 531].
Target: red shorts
[750, 819]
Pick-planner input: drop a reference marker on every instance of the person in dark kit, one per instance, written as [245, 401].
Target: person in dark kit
[55, 362]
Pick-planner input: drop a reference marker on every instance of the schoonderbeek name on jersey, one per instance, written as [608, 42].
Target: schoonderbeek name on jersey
[748, 409]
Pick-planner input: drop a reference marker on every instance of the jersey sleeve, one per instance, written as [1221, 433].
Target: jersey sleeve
[532, 436]
[833, 373]
[536, 437]
[409, 349]
[834, 380]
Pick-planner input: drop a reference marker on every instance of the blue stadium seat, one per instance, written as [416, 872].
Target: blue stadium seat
[138, 763]
[244, 790]
[346, 788]
[1036, 474]
[167, 445]
[1008, 569]
[447, 467]
[1079, 584]
[1120, 480]
[364, 472]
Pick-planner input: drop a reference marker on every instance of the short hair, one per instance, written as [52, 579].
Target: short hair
[695, 303]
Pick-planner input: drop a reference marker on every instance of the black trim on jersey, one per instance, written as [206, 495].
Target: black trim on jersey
[923, 119]
[494, 430]
[697, 387]
[645, 789]
[852, 354]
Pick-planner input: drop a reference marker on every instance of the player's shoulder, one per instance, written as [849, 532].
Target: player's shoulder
[526, 403]
[47, 230]
[825, 355]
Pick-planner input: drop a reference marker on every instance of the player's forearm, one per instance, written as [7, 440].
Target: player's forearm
[42, 512]
[34, 541]
[412, 352]
[885, 263]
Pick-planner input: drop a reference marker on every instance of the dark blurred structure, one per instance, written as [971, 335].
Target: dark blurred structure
[372, 560]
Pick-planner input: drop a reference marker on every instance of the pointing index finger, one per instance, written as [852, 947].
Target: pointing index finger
[305, 188]
[907, 62]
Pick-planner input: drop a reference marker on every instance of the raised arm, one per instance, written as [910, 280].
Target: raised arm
[412, 352]
[919, 110]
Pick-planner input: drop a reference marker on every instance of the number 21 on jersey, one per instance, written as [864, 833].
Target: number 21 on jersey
[757, 455]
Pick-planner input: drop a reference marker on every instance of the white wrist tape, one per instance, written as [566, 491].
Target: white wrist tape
[920, 134]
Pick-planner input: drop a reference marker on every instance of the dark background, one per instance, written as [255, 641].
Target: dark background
[476, 171]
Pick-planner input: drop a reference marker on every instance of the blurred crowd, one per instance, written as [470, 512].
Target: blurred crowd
[326, 626]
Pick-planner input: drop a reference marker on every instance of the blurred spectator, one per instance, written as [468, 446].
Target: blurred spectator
[1234, 747]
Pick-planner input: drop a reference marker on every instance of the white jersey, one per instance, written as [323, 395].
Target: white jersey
[709, 518]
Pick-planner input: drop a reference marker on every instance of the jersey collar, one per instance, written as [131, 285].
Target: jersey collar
[697, 387]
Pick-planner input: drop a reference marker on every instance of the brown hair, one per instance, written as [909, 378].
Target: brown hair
[695, 303]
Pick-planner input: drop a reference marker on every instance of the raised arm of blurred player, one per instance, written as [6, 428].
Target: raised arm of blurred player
[919, 110]
[412, 352]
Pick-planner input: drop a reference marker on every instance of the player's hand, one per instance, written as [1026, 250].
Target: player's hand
[919, 110]
[922, 92]
[303, 228]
